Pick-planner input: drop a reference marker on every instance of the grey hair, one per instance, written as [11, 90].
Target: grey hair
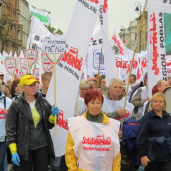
[115, 80]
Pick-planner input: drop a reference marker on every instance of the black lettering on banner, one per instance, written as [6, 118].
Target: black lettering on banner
[37, 38]
[88, 6]
[94, 42]
[72, 72]
[100, 41]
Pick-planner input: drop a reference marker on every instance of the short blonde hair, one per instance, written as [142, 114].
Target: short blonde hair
[84, 84]
[156, 96]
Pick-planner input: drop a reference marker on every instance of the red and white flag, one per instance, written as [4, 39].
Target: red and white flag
[116, 41]
[69, 69]
[157, 68]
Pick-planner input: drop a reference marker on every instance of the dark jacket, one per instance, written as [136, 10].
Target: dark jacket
[17, 125]
[153, 126]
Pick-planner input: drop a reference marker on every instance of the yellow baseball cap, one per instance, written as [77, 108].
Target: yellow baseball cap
[28, 80]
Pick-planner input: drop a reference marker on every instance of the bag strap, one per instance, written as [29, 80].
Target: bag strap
[5, 102]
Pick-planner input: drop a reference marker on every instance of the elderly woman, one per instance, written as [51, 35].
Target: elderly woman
[93, 142]
[27, 126]
[5, 103]
[153, 140]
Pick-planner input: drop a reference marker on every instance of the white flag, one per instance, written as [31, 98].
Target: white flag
[157, 67]
[159, 5]
[43, 17]
[69, 69]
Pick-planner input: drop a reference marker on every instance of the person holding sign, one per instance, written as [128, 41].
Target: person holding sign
[93, 142]
[5, 103]
[29, 119]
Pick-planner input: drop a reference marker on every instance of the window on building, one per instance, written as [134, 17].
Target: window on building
[135, 36]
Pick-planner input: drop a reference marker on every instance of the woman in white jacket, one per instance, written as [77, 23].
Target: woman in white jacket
[5, 103]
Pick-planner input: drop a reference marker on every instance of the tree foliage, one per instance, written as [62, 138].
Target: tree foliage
[53, 30]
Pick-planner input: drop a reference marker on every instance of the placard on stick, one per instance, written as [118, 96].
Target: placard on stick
[54, 43]
[31, 55]
[47, 65]
[10, 65]
[24, 65]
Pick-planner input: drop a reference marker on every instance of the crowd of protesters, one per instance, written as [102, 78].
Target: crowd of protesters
[105, 136]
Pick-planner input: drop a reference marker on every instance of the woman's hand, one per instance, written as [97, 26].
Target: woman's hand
[5, 111]
[120, 134]
[144, 161]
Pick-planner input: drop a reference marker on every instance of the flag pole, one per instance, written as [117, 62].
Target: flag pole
[138, 34]
[54, 71]
[99, 69]
[77, 106]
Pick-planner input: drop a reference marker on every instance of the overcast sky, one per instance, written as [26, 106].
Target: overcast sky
[121, 12]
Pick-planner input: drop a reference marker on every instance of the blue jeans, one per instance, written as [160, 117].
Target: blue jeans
[3, 150]
[59, 164]
[5, 164]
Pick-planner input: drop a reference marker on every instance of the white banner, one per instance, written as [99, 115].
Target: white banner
[69, 69]
[110, 63]
[10, 65]
[159, 5]
[53, 43]
[44, 17]
[156, 45]
[24, 66]
[36, 73]
[116, 41]
[93, 63]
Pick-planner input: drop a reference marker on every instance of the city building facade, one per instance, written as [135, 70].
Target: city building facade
[129, 35]
[24, 19]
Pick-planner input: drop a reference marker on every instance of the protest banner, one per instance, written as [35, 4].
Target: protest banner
[10, 65]
[47, 65]
[24, 66]
[70, 68]
[44, 17]
[158, 5]
[30, 55]
[157, 66]
[93, 63]
[53, 43]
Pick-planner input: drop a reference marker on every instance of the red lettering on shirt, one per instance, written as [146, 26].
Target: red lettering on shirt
[98, 141]
[153, 42]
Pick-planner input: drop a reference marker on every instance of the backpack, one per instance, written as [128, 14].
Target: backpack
[130, 131]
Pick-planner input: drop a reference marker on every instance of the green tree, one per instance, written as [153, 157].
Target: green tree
[52, 30]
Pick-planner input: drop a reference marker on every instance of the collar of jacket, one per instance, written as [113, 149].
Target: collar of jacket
[43, 103]
[2, 96]
[105, 118]
[107, 94]
[153, 113]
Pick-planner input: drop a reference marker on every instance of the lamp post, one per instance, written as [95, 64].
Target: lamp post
[138, 7]
[122, 30]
